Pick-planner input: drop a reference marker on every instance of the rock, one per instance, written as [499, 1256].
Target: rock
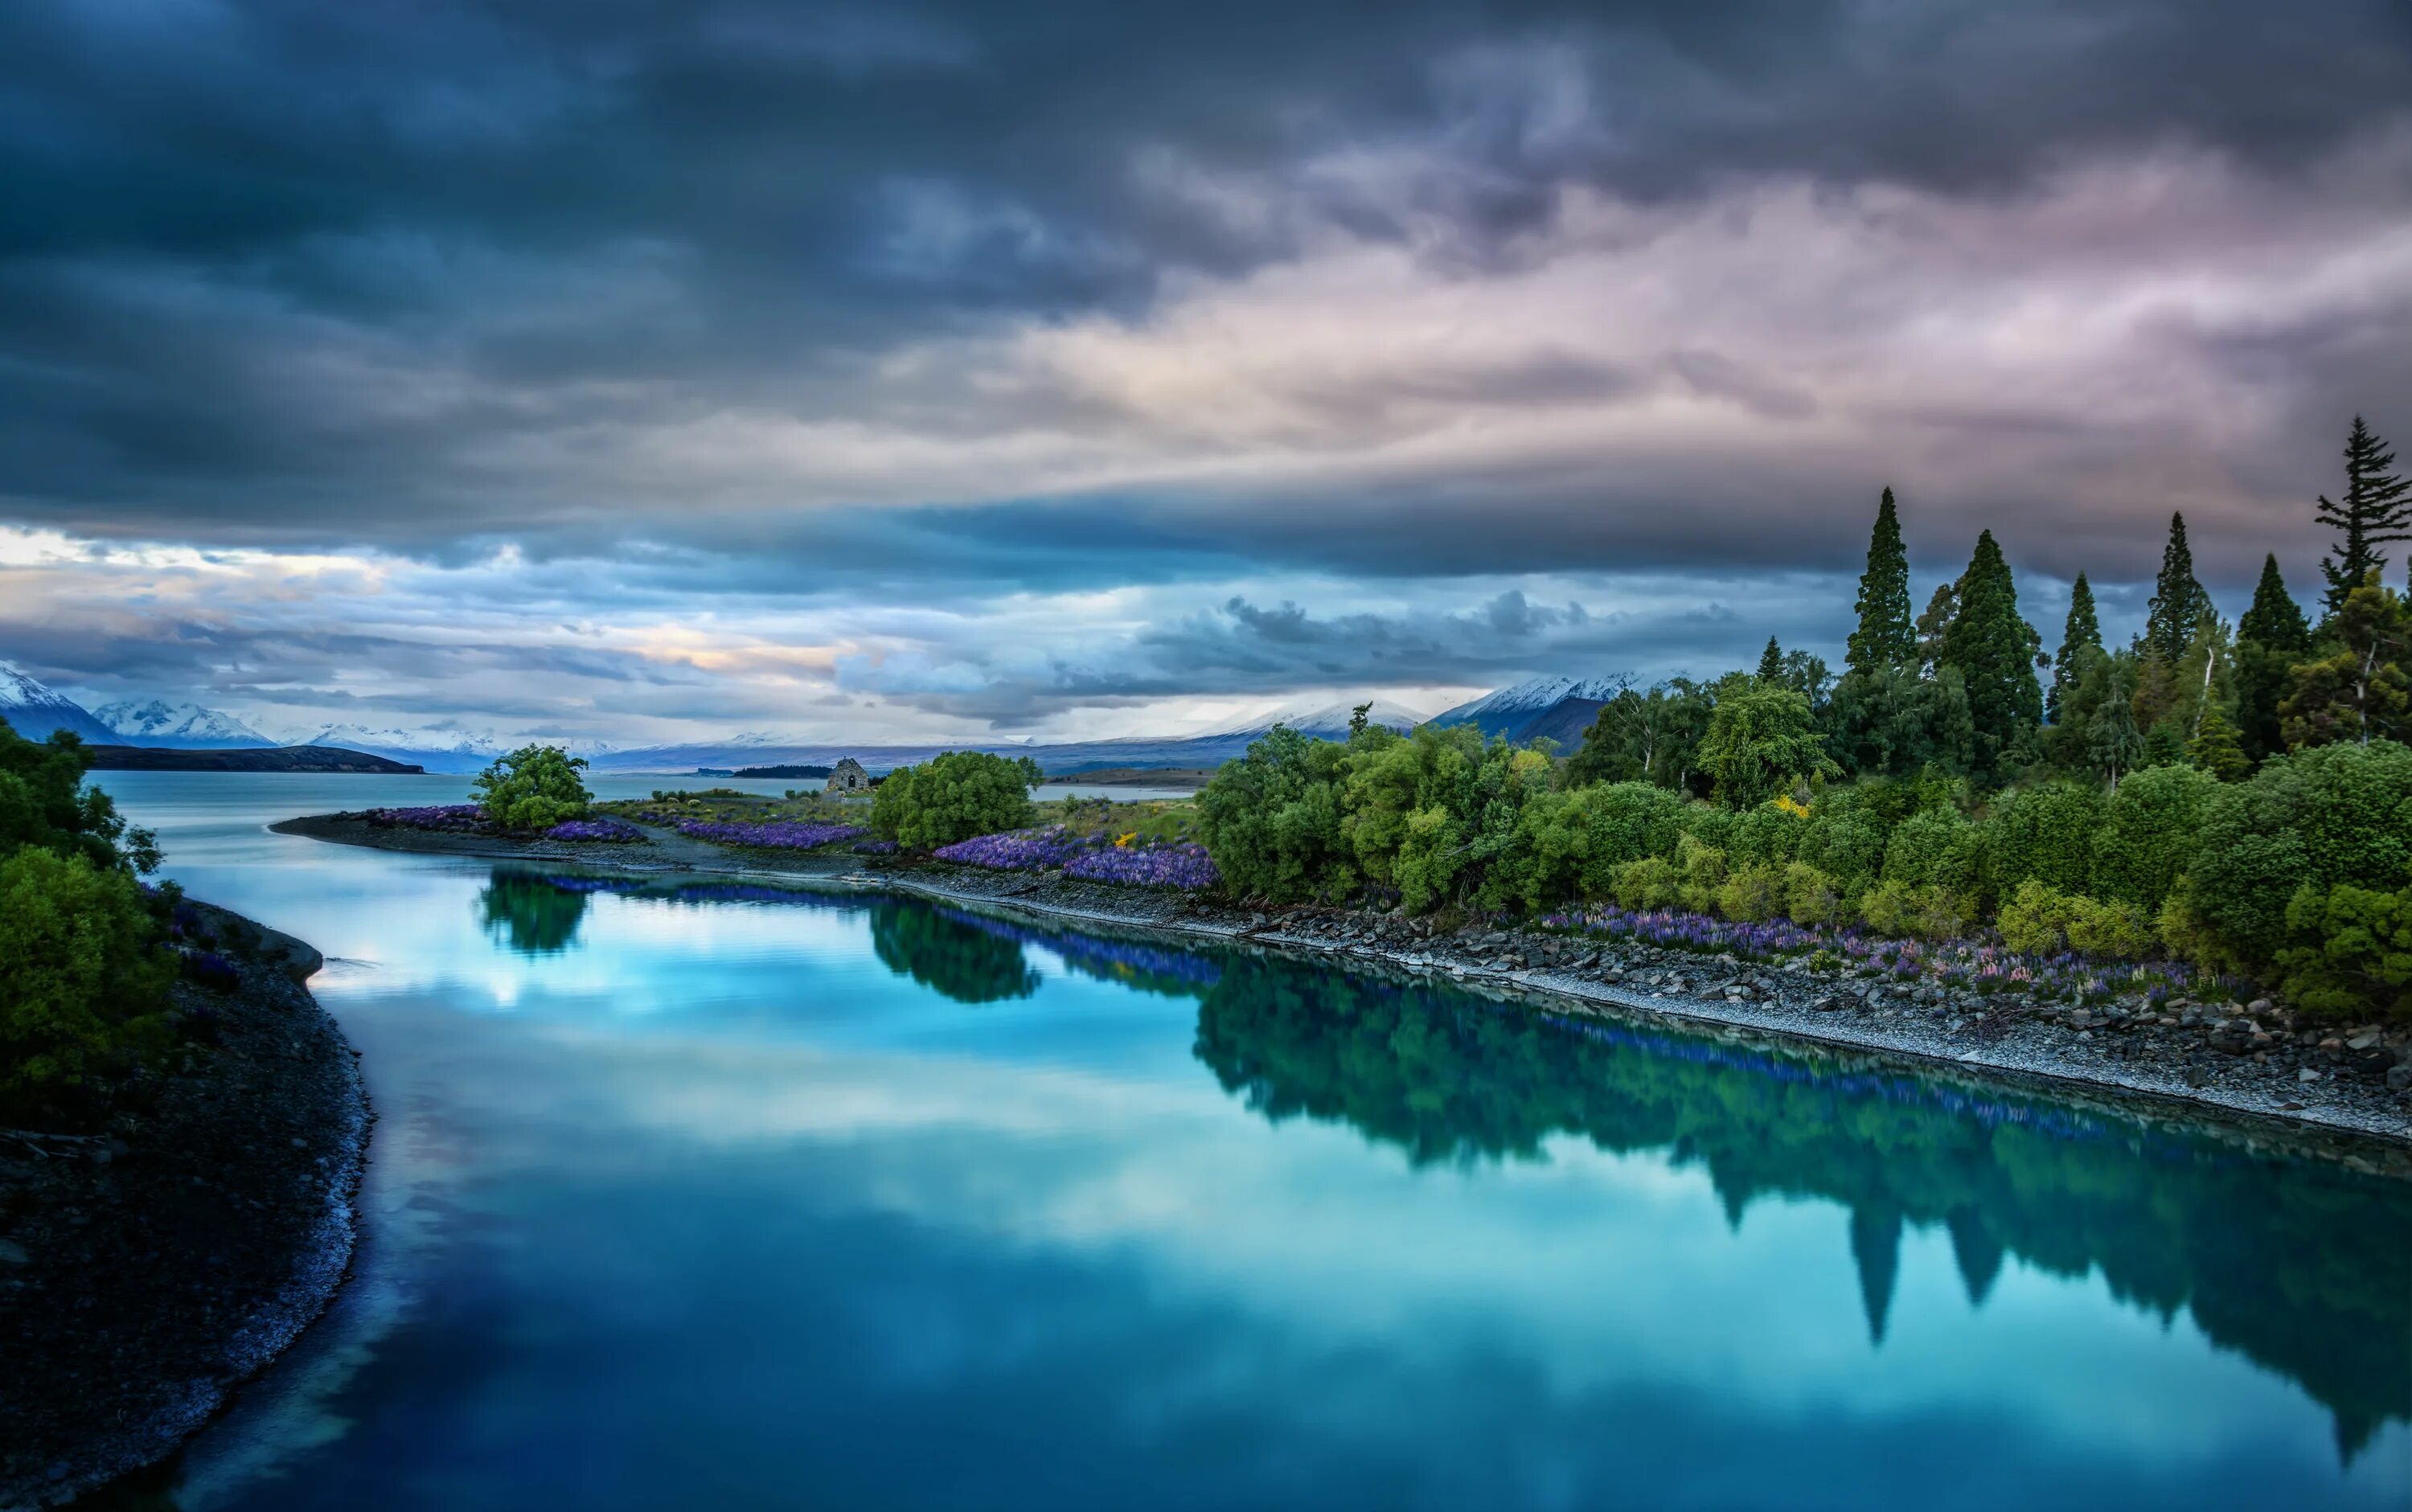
[2367, 1039]
[2307, 1074]
[12, 1253]
[2399, 1077]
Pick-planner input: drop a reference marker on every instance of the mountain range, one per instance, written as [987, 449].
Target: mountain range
[1555, 708]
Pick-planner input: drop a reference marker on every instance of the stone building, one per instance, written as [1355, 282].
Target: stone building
[847, 776]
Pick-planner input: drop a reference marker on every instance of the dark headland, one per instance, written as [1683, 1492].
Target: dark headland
[326, 758]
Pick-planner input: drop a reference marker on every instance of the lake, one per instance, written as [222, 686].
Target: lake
[702, 1194]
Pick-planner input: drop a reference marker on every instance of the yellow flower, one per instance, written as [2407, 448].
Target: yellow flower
[1121, 841]
[1792, 805]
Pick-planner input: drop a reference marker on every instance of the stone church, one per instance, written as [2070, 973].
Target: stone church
[847, 776]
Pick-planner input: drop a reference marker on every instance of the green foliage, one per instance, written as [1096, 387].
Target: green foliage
[2271, 638]
[2351, 950]
[1651, 738]
[2374, 512]
[2354, 688]
[83, 981]
[2044, 833]
[2179, 602]
[958, 960]
[1885, 638]
[1995, 651]
[2338, 815]
[1810, 896]
[2043, 920]
[1753, 893]
[528, 914]
[955, 796]
[535, 787]
[2149, 833]
[43, 802]
[2081, 632]
[1926, 913]
[1762, 742]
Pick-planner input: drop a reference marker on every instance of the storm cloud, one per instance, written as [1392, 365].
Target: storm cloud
[817, 334]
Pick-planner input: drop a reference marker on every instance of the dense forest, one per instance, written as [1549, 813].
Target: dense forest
[2236, 794]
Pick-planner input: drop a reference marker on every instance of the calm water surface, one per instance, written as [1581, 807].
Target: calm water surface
[715, 1196]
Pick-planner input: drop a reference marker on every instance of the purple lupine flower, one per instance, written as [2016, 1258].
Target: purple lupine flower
[1183, 866]
[460, 817]
[777, 834]
[609, 831]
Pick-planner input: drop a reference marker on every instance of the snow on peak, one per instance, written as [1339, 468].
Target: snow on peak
[1532, 695]
[155, 720]
[1310, 716]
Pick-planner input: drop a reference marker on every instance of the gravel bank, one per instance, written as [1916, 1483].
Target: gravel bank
[149, 1267]
[2259, 1062]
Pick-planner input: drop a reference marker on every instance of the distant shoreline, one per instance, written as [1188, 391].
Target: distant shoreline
[2143, 1065]
[312, 758]
[1189, 778]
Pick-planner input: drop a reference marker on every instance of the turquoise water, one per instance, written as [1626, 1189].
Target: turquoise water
[698, 1196]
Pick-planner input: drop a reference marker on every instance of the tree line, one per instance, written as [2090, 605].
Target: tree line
[2234, 793]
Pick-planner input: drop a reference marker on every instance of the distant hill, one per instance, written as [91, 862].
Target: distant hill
[765, 773]
[1328, 721]
[33, 709]
[156, 722]
[319, 758]
[1556, 708]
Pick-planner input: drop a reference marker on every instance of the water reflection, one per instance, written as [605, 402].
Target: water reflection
[531, 914]
[2304, 1266]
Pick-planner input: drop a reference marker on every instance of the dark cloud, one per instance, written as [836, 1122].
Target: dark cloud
[286, 271]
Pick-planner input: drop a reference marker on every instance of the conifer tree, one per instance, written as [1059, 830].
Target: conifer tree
[2374, 513]
[1993, 649]
[1885, 637]
[2179, 602]
[2358, 690]
[2271, 638]
[2082, 628]
[2216, 749]
[1941, 610]
[1770, 663]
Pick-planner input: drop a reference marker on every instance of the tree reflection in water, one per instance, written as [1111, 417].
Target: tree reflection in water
[2302, 1266]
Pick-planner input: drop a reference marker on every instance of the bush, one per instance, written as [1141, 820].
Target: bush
[535, 787]
[1927, 913]
[83, 980]
[2338, 813]
[1811, 898]
[2150, 829]
[2046, 834]
[1752, 895]
[1652, 882]
[953, 797]
[2353, 950]
[1701, 870]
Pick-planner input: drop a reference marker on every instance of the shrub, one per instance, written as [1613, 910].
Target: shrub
[1702, 868]
[2339, 814]
[1811, 898]
[2150, 829]
[2045, 832]
[1652, 882]
[1927, 913]
[2035, 919]
[1752, 894]
[83, 982]
[1762, 740]
[2352, 950]
[953, 797]
[535, 787]
[1271, 819]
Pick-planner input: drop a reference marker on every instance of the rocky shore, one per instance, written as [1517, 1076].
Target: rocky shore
[2257, 1060]
[150, 1265]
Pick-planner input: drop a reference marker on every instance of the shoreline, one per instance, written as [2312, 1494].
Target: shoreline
[2191, 1072]
[156, 1267]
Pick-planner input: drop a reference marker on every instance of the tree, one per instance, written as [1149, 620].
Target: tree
[2355, 688]
[83, 986]
[1770, 663]
[1885, 637]
[1761, 741]
[2216, 748]
[954, 796]
[535, 787]
[2113, 743]
[2271, 638]
[2082, 628]
[1993, 649]
[2374, 513]
[1933, 625]
[2179, 602]
[1651, 738]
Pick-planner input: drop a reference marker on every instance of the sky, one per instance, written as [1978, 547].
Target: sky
[648, 370]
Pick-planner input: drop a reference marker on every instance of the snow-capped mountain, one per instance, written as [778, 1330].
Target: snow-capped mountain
[1557, 707]
[1327, 721]
[157, 722]
[454, 751]
[33, 708]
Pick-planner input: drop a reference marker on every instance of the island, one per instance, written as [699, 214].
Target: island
[321, 758]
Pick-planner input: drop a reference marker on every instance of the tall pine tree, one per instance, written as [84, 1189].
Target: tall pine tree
[1993, 651]
[2374, 513]
[1885, 637]
[2179, 602]
[2271, 638]
[2082, 628]
[1770, 663]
